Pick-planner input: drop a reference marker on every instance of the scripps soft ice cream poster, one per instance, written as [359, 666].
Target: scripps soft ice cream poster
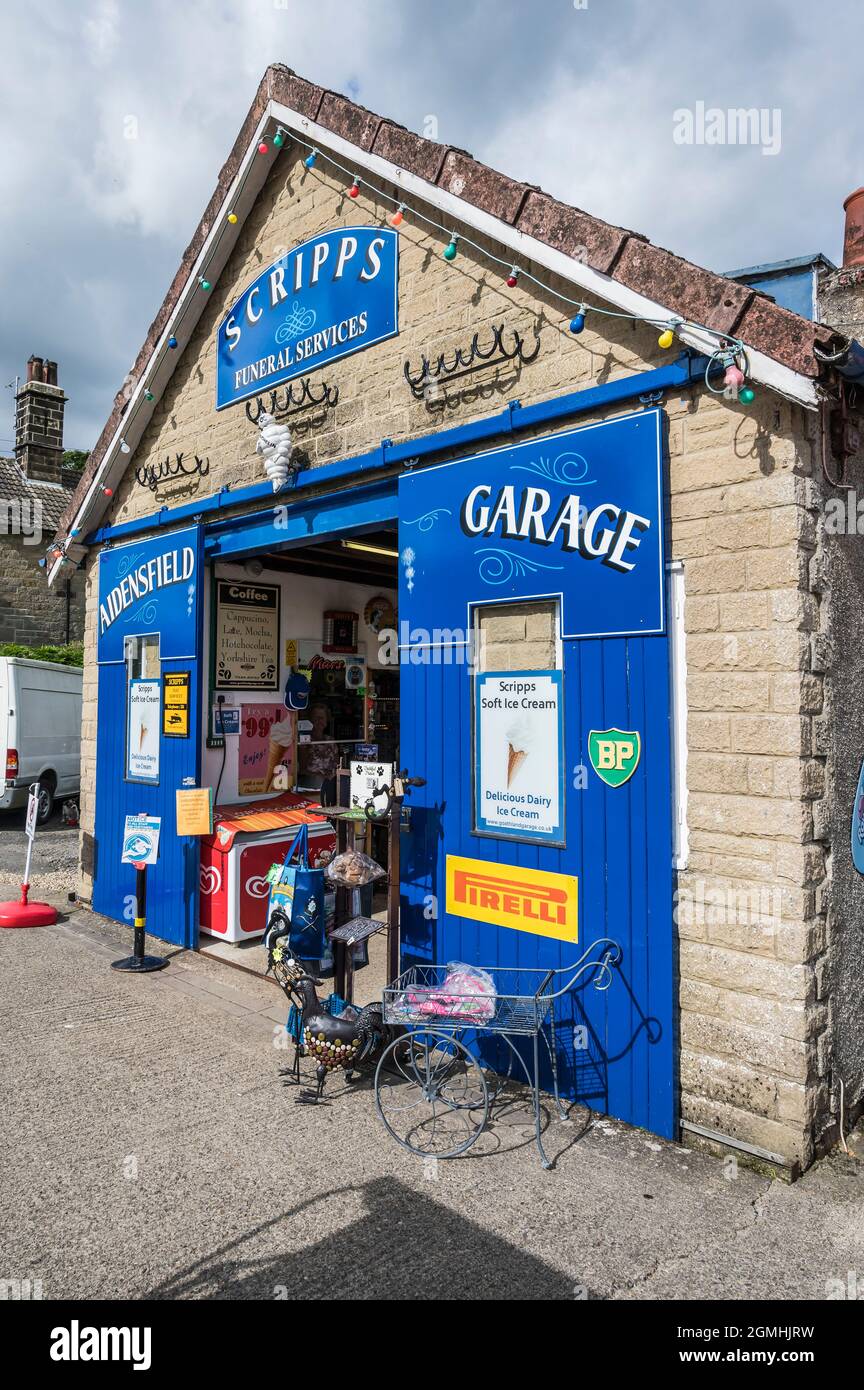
[518, 774]
[266, 744]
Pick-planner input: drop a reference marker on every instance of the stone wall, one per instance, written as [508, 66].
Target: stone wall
[839, 656]
[30, 612]
[753, 1011]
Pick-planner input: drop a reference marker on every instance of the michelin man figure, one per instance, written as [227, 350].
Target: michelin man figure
[274, 442]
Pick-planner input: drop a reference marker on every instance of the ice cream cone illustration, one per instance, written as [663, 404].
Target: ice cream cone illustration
[142, 734]
[281, 739]
[520, 737]
[515, 759]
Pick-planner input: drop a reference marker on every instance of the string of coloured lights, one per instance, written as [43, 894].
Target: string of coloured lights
[729, 354]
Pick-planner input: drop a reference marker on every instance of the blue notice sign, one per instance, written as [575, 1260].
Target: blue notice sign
[147, 587]
[329, 297]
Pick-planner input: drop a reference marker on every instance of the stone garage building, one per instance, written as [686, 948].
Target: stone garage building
[750, 960]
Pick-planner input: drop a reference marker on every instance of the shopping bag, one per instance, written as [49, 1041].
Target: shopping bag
[299, 893]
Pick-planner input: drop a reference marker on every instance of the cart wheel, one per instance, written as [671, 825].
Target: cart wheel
[431, 1094]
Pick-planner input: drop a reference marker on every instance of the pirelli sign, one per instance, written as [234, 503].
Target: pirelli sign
[531, 900]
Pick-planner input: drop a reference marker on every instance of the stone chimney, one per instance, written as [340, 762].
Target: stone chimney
[39, 408]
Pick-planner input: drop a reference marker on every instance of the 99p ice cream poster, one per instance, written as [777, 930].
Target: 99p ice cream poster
[518, 756]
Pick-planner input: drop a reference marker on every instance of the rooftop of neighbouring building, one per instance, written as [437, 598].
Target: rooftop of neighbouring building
[793, 284]
[15, 486]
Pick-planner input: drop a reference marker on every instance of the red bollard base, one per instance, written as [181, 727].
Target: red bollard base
[18, 914]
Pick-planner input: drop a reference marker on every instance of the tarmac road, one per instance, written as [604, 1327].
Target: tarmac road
[152, 1150]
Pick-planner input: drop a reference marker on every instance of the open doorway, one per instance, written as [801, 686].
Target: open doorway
[301, 710]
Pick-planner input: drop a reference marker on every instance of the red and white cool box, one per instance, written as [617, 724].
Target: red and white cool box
[235, 859]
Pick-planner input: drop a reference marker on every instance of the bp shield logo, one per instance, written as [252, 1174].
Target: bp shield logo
[614, 754]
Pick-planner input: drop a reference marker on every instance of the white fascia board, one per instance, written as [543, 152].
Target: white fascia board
[764, 369]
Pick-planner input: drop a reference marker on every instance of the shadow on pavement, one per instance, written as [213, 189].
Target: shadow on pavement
[404, 1247]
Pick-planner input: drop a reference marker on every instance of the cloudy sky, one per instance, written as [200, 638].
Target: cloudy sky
[578, 96]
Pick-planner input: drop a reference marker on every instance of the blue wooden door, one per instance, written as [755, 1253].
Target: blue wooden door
[616, 1049]
[172, 883]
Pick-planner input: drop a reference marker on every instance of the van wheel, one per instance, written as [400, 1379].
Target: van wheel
[45, 804]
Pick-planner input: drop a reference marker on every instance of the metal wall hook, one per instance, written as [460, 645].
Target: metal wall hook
[470, 359]
[296, 397]
[152, 474]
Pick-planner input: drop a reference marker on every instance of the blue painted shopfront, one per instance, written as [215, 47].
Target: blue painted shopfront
[497, 528]
[575, 519]
[148, 589]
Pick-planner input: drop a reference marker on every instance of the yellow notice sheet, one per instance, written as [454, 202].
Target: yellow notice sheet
[195, 811]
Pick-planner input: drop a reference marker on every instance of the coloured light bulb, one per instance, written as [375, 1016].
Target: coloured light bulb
[666, 339]
[232, 218]
[205, 284]
[512, 278]
[309, 161]
[577, 323]
[148, 395]
[354, 190]
[279, 138]
[733, 376]
[263, 147]
[398, 217]
[449, 252]
[172, 341]
[746, 395]
[108, 491]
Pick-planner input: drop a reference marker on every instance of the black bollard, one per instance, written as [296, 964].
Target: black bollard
[138, 961]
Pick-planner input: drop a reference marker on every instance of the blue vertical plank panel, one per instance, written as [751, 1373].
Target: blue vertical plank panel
[172, 883]
[616, 1049]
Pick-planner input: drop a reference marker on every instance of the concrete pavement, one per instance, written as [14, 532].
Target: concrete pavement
[151, 1150]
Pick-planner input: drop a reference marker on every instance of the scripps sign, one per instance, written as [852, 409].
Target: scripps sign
[148, 587]
[532, 900]
[577, 515]
[331, 296]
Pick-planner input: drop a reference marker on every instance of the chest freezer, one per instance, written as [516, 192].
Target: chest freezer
[235, 859]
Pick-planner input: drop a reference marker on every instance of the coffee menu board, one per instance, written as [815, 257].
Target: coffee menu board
[246, 636]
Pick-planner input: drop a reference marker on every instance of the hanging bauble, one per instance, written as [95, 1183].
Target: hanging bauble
[577, 323]
[666, 339]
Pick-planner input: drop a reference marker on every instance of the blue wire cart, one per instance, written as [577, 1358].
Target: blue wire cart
[432, 1092]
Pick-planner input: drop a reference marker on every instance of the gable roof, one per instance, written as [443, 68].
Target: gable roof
[614, 264]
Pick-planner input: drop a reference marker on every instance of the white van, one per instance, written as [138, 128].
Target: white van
[40, 731]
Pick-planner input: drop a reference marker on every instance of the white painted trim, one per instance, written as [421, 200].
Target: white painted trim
[763, 369]
[678, 713]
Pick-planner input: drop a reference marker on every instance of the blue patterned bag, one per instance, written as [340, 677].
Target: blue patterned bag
[299, 893]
